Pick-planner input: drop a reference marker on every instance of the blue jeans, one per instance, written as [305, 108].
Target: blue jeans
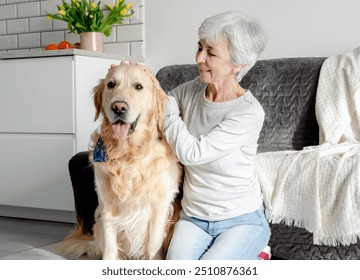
[239, 238]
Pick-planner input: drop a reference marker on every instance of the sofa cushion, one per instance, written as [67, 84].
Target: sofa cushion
[286, 88]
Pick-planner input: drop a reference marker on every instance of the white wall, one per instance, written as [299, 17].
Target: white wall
[24, 26]
[296, 28]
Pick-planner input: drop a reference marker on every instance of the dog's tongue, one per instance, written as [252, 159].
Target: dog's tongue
[120, 130]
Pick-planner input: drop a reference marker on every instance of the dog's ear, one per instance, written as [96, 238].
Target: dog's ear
[97, 97]
[161, 101]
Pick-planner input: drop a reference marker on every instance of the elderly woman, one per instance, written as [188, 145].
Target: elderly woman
[216, 140]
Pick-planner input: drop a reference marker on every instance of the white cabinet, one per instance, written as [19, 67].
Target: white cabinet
[46, 116]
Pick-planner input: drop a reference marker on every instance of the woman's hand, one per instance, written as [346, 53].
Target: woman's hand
[151, 75]
[121, 62]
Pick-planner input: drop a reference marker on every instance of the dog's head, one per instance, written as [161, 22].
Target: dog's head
[126, 97]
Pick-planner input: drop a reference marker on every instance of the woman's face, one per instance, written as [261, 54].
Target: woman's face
[214, 62]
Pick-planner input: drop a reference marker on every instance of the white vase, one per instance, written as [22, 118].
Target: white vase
[92, 41]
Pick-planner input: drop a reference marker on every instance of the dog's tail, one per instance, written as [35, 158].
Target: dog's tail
[78, 244]
[174, 217]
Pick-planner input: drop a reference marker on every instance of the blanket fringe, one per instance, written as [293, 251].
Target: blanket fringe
[318, 239]
[336, 241]
[275, 219]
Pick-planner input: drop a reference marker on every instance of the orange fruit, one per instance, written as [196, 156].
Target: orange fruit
[51, 47]
[65, 45]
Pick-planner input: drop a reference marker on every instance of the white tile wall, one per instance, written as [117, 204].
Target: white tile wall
[15, 1]
[15, 26]
[8, 11]
[24, 26]
[2, 27]
[8, 42]
[31, 9]
[137, 48]
[129, 33]
[30, 40]
[51, 37]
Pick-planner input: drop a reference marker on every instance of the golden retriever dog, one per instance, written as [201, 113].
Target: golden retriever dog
[137, 176]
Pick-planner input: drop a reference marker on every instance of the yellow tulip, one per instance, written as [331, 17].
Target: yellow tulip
[93, 5]
[50, 17]
[109, 6]
[62, 12]
[128, 6]
[118, 3]
[62, 7]
[123, 12]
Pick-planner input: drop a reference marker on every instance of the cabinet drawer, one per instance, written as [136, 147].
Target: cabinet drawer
[37, 95]
[34, 171]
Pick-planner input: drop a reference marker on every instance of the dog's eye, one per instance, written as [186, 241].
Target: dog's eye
[138, 87]
[110, 85]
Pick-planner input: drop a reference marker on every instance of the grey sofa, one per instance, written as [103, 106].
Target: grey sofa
[286, 88]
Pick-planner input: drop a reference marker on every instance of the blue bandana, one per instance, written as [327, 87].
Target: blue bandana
[99, 151]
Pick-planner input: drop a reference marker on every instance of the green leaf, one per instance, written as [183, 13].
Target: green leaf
[107, 31]
[78, 19]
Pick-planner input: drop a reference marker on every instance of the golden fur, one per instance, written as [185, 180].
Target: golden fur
[137, 184]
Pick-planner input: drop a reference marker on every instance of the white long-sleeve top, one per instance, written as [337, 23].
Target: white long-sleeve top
[216, 142]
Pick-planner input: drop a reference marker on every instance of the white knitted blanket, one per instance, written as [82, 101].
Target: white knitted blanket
[337, 99]
[318, 188]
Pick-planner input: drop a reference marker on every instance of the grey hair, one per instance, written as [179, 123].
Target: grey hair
[246, 37]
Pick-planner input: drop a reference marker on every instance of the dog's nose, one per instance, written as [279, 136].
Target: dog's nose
[119, 108]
